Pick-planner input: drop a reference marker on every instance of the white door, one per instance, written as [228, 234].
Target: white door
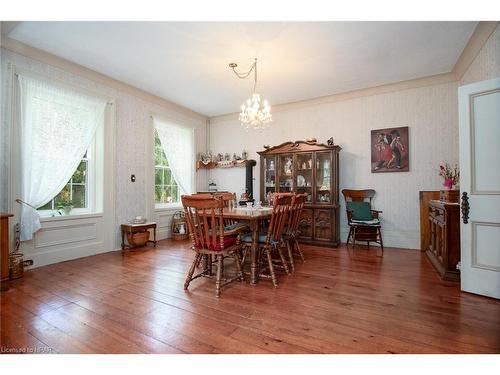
[479, 127]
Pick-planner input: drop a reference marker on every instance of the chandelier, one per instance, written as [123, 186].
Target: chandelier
[255, 113]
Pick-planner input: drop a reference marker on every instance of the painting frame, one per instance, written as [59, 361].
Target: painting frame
[390, 149]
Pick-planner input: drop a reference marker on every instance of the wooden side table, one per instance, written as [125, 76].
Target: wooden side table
[135, 228]
[4, 250]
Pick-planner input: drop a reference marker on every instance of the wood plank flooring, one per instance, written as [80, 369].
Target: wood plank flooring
[338, 301]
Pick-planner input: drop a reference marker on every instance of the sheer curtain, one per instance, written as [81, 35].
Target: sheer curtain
[178, 144]
[57, 126]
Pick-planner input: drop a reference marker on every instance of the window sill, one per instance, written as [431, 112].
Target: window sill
[70, 217]
[168, 207]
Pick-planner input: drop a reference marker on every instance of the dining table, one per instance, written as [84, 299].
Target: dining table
[253, 216]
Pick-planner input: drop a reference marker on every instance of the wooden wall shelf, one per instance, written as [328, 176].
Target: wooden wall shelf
[223, 164]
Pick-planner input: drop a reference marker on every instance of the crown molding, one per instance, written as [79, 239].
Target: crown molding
[479, 37]
[8, 26]
[73, 68]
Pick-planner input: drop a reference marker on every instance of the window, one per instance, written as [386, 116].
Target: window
[166, 188]
[76, 192]
[174, 161]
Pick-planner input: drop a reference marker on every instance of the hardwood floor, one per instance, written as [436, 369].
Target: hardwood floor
[338, 301]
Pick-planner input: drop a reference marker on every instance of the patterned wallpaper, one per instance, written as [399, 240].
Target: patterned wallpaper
[132, 121]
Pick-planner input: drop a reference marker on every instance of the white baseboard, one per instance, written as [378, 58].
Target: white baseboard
[64, 254]
[402, 239]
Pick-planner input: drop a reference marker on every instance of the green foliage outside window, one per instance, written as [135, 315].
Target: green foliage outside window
[166, 188]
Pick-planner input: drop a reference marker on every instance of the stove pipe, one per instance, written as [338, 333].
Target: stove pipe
[249, 177]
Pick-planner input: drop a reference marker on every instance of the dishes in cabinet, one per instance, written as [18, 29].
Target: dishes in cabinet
[301, 181]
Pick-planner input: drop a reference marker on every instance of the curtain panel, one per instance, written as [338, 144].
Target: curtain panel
[57, 126]
[178, 144]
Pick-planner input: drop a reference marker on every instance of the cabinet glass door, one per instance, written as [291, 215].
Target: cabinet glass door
[323, 177]
[285, 176]
[304, 175]
[269, 175]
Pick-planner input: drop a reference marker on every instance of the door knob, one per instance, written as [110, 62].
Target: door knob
[465, 208]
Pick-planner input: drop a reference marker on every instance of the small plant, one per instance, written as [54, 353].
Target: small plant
[65, 205]
[451, 176]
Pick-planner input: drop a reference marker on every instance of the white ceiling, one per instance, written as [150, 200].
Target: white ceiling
[187, 62]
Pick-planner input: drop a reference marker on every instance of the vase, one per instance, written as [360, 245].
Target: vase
[448, 184]
[182, 229]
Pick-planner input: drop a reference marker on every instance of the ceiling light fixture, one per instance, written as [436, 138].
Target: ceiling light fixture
[254, 114]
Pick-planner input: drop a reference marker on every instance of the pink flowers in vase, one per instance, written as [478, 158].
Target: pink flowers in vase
[450, 175]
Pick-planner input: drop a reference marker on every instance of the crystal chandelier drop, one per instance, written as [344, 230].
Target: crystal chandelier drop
[255, 113]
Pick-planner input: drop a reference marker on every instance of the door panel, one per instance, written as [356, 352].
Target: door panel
[485, 139]
[479, 127]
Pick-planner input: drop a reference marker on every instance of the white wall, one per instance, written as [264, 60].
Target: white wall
[133, 135]
[431, 114]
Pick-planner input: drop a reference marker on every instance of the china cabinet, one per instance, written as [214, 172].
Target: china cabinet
[313, 169]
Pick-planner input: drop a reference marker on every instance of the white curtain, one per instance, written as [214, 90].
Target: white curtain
[178, 144]
[57, 126]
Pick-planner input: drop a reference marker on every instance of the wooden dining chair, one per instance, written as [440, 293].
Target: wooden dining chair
[208, 237]
[364, 222]
[292, 230]
[270, 243]
[229, 200]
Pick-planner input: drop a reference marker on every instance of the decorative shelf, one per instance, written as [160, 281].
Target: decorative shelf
[221, 164]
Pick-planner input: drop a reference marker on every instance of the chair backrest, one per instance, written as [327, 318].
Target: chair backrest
[227, 198]
[204, 218]
[281, 207]
[298, 202]
[364, 195]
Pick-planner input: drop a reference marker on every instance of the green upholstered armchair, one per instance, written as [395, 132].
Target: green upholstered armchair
[364, 222]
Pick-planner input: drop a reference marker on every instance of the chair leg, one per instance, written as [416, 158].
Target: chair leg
[236, 257]
[353, 237]
[271, 267]
[283, 260]
[219, 276]
[297, 247]
[199, 262]
[349, 236]
[191, 270]
[290, 254]
[381, 241]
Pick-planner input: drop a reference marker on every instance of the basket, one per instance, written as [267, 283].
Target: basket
[179, 228]
[138, 239]
[16, 266]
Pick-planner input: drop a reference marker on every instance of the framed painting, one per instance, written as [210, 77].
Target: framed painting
[390, 150]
